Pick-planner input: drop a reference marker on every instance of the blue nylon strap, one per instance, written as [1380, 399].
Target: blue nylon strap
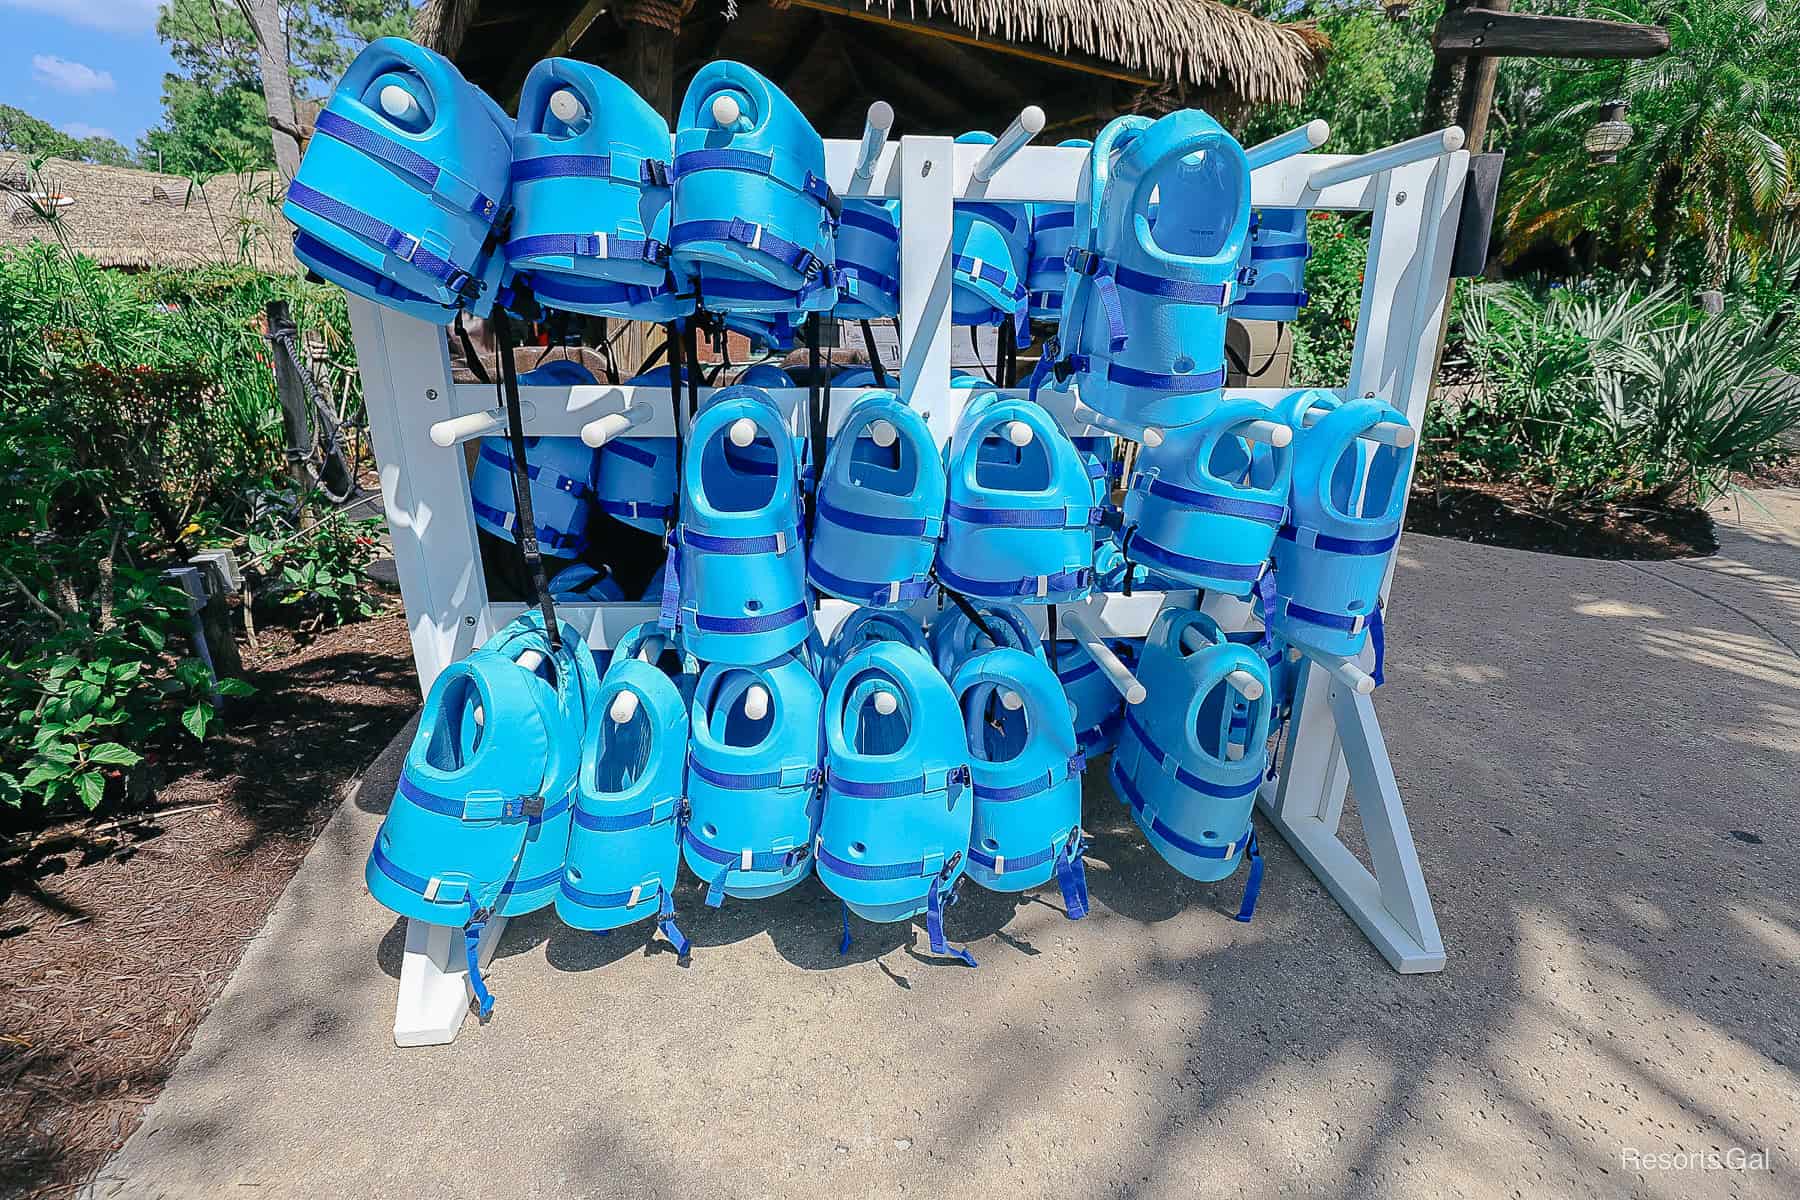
[1252, 885]
[404, 159]
[1108, 292]
[650, 172]
[757, 624]
[1081, 670]
[1203, 381]
[1023, 518]
[1174, 837]
[852, 279]
[1073, 579]
[1049, 301]
[1261, 253]
[752, 781]
[607, 823]
[886, 790]
[762, 544]
[1071, 876]
[859, 219]
[630, 453]
[1378, 636]
[1050, 262]
[484, 999]
[1045, 367]
[558, 291]
[844, 946]
[465, 809]
[729, 861]
[917, 527]
[1338, 545]
[1023, 862]
[1342, 622]
[1265, 592]
[934, 924]
[866, 591]
[554, 480]
[670, 612]
[986, 272]
[566, 543]
[749, 233]
[588, 245]
[402, 245]
[1145, 550]
[880, 873]
[1060, 219]
[665, 921]
[999, 214]
[1211, 502]
[372, 282]
[638, 509]
[1225, 791]
[1274, 299]
[755, 163]
[1215, 295]
[1006, 795]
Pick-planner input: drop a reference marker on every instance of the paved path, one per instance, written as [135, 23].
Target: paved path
[1602, 763]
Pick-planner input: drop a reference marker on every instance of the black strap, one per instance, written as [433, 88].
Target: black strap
[469, 355]
[1050, 621]
[1008, 368]
[525, 528]
[874, 358]
[969, 611]
[818, 403]
[674, 410]
[1125, 557]
[690, 343]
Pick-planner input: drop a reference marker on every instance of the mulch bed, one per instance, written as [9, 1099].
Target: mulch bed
[116, 935]
[1504, 514]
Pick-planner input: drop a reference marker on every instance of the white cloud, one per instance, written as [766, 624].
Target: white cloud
[114, 16]
[75, 78]
[80, 129]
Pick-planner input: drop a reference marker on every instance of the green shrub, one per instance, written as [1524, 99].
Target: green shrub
[1325, 332]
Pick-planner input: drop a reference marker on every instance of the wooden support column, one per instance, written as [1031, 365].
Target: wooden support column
[1477, 103]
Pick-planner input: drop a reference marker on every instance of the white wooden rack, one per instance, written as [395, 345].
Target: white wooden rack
[419, 416]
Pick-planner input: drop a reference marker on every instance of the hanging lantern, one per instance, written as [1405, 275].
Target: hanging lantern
[1609, 135]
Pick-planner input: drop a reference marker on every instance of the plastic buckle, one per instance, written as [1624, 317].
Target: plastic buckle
[656, 252]
[950, 865]
[1082, 261]
[1246, 276]
[466, 285]
[747, 232]
[654, 172]
[479, 917]
[409, 246]
[531, 806]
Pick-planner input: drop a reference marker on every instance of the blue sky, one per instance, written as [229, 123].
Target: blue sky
[85, 66]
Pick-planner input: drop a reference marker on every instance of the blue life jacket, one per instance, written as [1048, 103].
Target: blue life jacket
[868, 260]
[736, 586]
[1095, 702]
[1052, 228]
[865, 625]
[894, 839]
[1200, 510]
[591, 197]
[1143, 330]
[1331, 558]
[635, 480]
[955, 638]
[480, 820]
[880, 509]
[1273, 266]
[754, 218]
[402, 210]
[765, 375]
[990, 244]
[1027, 777]
[1023, 532]
[579, 583]
[624, 839]
[1172, 765]
[753, 785]
[864, 377]
[768, 332]
[561, 470]
[673, 661]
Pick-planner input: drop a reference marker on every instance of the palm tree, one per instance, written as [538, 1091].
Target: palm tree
[1718, 125]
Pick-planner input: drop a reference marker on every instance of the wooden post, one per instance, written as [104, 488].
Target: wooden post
[292, 394]
[1477, 103]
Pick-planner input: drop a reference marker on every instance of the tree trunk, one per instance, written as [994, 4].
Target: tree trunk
[278, 84]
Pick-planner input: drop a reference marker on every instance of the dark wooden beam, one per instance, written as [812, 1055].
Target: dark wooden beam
[1490, 31]
[936, 28]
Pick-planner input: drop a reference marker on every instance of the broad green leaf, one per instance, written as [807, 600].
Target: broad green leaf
[111, 754]
[197, 718]
[91, 787]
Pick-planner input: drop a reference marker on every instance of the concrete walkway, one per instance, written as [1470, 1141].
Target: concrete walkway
[1602, 763]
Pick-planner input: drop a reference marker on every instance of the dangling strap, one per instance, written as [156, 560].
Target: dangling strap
[484, 999]
[670, 612]
[1378, 637]
[665, 921]
[526, 533]
[868, 334]
[935, 902]
[1252, 885]
[476, 366]
[844, 946]
[1265, 592]
[1071, 875]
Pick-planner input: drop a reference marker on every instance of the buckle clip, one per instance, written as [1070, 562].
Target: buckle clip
[479, 917]
[1083, 261]
[409, 246]
[950, 865]
[531, 806]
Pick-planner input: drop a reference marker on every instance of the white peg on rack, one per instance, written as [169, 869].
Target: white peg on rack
[1011, 701]
[1116, 672]
[1388, 433]
[1027, 125]
[1343, 670]
[726, 110]
[1148, 435]
[886, 703]
[1248, 685]
[1298, 140]
[1426, 145]
[451, 430]
[743, 432]
[883, 433]
[1019, 433]
[398, 103]
[756, 702]
[875, 134]
[1272, 433]
[624, 707]
[598, 432]
[566, 106]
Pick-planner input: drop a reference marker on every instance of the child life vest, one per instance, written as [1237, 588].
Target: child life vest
[480, 819]
[868, 260]
[1052, 228]
[894, 838]
[590, 192]
[561, 471]
[1026, 770]
[579, 583]
[755, 221]
[1095, 704]
[1331, 558]
[736, 581]
[990, 244]
[1143, 327]
[635, 480]
[1273, 266]
[863, 377]
[765, 376]
[880, 509]
[1173, 765]
[955, 638]
[403, 185]
[1017, 532]
[753, 779]
[865, 625]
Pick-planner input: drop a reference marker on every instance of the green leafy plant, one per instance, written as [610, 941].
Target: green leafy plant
[321, 569]
[1325, 331]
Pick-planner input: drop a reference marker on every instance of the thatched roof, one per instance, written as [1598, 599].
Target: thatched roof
[123, 217]
[955, 64]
